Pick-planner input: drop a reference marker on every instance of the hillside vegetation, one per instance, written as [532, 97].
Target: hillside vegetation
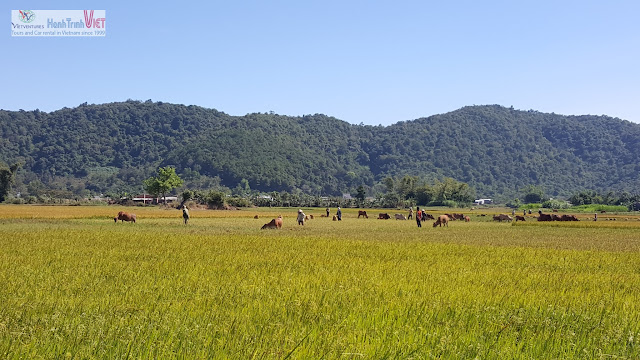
[496, 150]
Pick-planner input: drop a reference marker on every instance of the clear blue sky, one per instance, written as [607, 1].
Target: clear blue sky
[375, 62]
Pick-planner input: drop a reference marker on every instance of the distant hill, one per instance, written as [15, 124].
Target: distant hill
[497, 150]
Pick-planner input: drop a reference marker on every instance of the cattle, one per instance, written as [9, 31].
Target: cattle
[335, 218]
[451, 217]
[255, 217]
[400, 217]
[458, 216]
[310, 216]
[554, 210]
[566, 217]
[426, 216]
[520, 218]
[502, 217]
[442, 220]
[124, 216]
[273, 224]
[185, 214]
[544, 217]
[467, 219]
[362, 213]
[555, 217]
[384, 216]
[306, 217]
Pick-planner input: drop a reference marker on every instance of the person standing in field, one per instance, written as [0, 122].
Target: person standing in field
[300, 217]
[327, 212]
[339, 214]
[418, 216]
[185, 214]
[410, 214]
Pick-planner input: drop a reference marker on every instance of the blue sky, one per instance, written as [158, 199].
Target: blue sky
[372, 62]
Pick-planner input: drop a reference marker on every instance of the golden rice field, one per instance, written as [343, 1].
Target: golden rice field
[75, 285]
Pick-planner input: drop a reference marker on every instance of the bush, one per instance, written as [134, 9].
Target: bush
[215, 199]
[446, 203]
[239, 202]
[594, 208]
[531, 206]
[555, 204]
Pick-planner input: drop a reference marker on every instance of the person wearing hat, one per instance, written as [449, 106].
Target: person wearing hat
[300, 217]
[339, 214]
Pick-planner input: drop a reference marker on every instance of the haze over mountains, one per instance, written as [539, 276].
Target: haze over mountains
[496, 150]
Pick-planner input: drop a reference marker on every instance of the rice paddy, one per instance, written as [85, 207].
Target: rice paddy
[74, 284]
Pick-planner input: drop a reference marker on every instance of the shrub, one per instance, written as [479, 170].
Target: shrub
[531, 206]
[215, 199]
[237, 201]
[593, 208]
[555, 204]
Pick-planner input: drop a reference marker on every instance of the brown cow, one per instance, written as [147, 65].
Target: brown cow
[520, 218]
[442, 220]
[428, 216]
[255, 217]
[362, 213]
[467, 219]
[124, 216]
[458, 216]
[384, 216]
[310, 216]
[566, 217]
[335, 218]
[502, 217]
[273, 224]
[544, 217]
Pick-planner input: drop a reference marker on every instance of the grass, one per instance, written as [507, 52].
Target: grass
[75, 285]
[593, 208]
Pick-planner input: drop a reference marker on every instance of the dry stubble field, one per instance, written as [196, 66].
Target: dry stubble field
[75, 285]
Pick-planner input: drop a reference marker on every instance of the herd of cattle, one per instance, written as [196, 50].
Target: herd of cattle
[442, 220]
[540, 217]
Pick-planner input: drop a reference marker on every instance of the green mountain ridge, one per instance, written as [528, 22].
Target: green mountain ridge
[495, 149]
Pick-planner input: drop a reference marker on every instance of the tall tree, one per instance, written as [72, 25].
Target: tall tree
[407, 186]
[7, 176]
[361, 194]
[164, 182]
[533, 194]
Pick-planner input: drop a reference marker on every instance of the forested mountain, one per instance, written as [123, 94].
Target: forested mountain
[497, 150]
